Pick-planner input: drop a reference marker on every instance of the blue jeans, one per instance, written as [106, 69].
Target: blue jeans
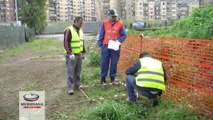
[131, 85]
[73, 71]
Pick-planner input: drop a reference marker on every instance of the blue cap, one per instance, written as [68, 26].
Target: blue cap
[112, 12]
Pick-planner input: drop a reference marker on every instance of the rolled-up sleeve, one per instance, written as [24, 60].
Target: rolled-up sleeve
[101, 36]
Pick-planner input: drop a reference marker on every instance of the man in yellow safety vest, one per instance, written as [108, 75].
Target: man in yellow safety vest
[147, 76]
[75, 52]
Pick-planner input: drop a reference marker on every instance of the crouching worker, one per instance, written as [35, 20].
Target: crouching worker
[147, 76]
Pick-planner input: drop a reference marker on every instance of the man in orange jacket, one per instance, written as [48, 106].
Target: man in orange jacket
[111, 29]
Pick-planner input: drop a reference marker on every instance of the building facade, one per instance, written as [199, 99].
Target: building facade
[52, 10]
[62, 10]
[130, 9]
[165, 10]
[7, 11]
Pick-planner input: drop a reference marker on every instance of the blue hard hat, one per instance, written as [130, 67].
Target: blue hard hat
[112, 12]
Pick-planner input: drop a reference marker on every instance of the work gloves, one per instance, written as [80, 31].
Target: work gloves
[72, 57]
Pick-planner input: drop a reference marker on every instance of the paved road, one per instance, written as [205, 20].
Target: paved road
[60, 37]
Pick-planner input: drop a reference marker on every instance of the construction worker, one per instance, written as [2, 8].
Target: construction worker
[75, 52]
[113, 30]
[147, 76]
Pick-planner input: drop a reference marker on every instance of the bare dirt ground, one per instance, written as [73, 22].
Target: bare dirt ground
[36, 72]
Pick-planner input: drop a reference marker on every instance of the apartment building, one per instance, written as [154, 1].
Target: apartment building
[130, 9]
[207, 2]
[139, 10]
[70, 10]
[85, 9]
[2, 9]
[93, 11]
[192, 5]
[151, 9]
[88, 10]
[163, 11]
[145, 11]
[173, 13]
[98, 9]
[182, 10]
[7, 11]
[102, 7]
[116, 4]
[122, 8]
[62, 10]
[52, 11]
[166, 10]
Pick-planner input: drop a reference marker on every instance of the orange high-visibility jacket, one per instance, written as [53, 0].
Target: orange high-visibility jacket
[111, 32]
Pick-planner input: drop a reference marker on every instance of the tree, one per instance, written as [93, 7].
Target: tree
[33, 13]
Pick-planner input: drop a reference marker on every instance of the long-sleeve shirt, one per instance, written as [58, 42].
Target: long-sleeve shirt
[102, 32]
[67, 41]
[136, 66]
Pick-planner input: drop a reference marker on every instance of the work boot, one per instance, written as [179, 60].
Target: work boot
[70, 92]
[103, 80]
[154, 102]
[112, 82]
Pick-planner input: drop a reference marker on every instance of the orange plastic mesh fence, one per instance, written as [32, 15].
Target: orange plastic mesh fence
[188, 64]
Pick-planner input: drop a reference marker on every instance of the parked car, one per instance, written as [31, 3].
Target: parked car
[138, 25]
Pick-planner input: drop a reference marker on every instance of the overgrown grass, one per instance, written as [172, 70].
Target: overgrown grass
[35, 46]
[121, 110]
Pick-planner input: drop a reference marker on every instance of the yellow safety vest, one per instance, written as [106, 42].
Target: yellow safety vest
[151, 74]
[76, 40]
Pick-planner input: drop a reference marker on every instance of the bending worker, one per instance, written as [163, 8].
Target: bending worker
[111, 29]
[75, 52]
[147, 76]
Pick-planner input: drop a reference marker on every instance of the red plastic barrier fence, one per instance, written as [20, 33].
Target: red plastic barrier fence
[188, 64]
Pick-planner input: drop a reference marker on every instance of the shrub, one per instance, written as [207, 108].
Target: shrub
[94, 58]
